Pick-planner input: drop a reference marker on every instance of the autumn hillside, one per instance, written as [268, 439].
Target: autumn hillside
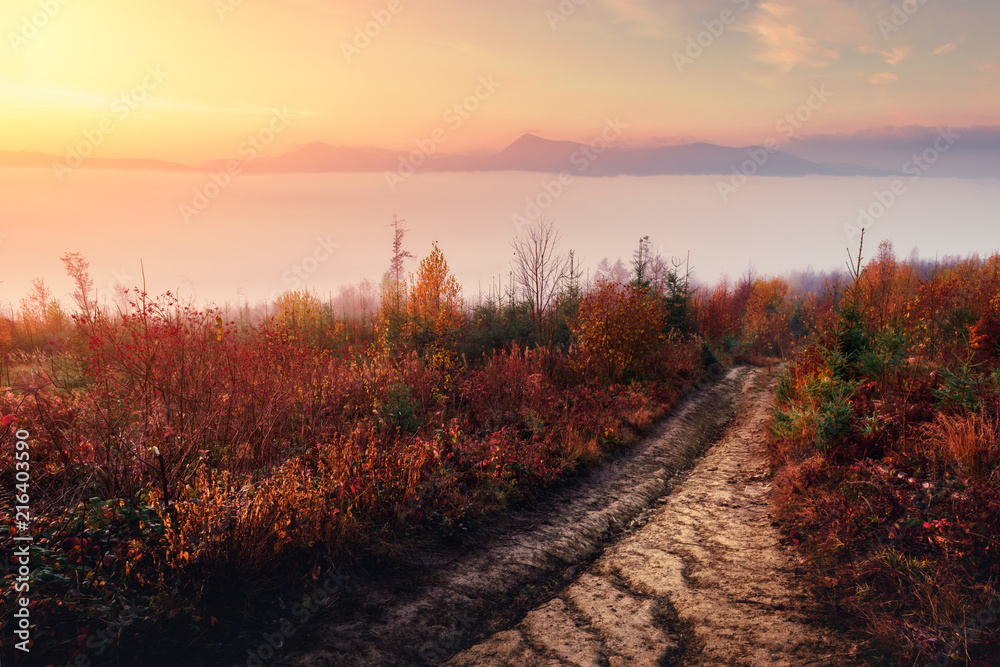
[187, 462]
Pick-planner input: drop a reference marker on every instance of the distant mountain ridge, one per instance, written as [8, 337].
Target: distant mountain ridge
[867, 153]
[32, 159]
[533, 153]
[318, 157]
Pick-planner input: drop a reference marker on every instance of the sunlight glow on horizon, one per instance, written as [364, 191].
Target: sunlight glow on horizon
[193, 80]
[560, 77]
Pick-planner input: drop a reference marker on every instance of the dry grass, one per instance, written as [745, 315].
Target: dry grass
[578, 448]
[970, 441]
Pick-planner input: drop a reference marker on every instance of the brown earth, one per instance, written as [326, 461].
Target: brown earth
[705, 582]
[637, 563]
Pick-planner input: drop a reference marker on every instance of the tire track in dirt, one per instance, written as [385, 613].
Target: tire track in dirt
[442, 600]
[705, 582]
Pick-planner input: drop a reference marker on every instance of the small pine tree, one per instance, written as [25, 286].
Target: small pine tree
[640, 264]
[391, 320]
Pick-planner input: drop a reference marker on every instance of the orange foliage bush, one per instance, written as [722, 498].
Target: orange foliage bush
[196, 453]
[617, 329]
[435, 303]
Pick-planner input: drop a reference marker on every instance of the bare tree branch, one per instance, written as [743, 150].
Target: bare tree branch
[539, 269]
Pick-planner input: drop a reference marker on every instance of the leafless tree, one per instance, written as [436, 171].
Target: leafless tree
[574, 276]
[616, 273]
[367, 293]
[538, 269]
[78, 269]
[35, 309]
[347, 301]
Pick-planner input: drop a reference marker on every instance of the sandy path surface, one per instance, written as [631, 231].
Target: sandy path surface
[704, 582]
[440, 601]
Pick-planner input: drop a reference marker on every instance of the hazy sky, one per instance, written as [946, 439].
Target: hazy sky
[189, 80]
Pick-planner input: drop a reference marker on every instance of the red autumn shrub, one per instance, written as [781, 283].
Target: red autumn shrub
[617, 328]
[194, 454]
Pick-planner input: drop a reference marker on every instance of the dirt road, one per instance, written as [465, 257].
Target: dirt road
[639, 563]
[704, 582]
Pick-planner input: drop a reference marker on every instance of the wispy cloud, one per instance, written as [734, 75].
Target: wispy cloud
[894, 57]
[27, 97]
[18, 98]
[637, 15]
[882, 78]
[783, 41]
[945, 48]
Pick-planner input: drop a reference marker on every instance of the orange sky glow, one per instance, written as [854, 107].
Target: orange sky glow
[190, 81]
[387, 72]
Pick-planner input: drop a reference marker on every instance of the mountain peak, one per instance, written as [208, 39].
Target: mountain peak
[528, 136]
[530, 141]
